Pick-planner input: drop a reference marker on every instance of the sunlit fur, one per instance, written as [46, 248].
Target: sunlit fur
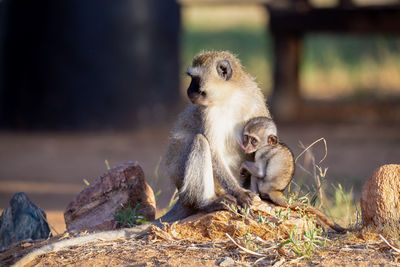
[273, 166]
[220, 119]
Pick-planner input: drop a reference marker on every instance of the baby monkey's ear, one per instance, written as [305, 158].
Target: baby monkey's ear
[272, 140]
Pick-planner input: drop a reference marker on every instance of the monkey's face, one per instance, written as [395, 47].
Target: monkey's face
[251, 143]
[209, 81]
[259, 132]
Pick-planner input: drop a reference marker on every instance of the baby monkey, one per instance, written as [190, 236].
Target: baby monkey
[273, 166]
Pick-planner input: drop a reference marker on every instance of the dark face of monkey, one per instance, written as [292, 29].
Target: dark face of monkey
[198, 92]
[259, 132]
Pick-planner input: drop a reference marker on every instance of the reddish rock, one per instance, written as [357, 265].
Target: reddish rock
[95, 206]
[380, 197]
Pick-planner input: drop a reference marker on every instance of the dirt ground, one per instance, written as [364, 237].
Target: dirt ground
[359, 248]
[181, 253]
[51, 167]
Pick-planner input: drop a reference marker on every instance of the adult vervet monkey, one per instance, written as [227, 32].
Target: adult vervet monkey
[204, 154]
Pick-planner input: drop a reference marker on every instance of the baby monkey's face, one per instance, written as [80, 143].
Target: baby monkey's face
[257, 133]
[250, 143]
[253, 141]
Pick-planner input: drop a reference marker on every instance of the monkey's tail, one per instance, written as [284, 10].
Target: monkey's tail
[278, 198]
[325, 219]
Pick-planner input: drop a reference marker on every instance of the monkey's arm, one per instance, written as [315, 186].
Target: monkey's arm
[256, 169]
[230, 184]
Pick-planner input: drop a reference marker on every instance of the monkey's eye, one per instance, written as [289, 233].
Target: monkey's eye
[254, 141]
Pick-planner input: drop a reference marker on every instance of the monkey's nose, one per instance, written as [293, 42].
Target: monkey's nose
[190, 71]
[193, 71]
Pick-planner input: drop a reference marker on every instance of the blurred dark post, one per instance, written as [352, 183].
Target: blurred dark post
[71, 64]
[286, 98]
[286, 93]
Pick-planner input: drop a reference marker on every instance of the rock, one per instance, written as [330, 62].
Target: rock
[228, 261]
[22, 220]
[95, 207]
[380, 197]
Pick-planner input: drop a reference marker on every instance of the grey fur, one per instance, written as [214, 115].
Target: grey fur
[203, 155]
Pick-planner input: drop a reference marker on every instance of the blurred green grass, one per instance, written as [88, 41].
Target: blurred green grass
[332, 66]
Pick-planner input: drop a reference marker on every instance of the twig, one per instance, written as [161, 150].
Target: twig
[304, 169]
[243, 248]
[173, 198]
[279, 263]
[313, 143]
[395, 249]
[260, 259]
[265, 242]
[323, 238]
[51, 226]
[295, 260]
[314, 166]
[261, 240]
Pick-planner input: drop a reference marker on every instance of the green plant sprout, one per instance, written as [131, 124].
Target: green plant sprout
[128, 217]
[306, 243]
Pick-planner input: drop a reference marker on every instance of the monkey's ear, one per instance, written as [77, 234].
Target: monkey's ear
[224, 69]
[272, 140]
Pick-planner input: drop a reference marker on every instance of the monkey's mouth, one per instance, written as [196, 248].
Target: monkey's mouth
[197, 98]
[194, 93]
[249, 151]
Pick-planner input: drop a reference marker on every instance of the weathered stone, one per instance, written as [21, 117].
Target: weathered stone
[227, 261]
[380, 197]
[94, 208]
[22, 220]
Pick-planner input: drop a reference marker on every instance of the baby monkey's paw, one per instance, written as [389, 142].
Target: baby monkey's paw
[244, 173]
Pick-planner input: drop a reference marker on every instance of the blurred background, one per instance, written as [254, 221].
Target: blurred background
[82, 82]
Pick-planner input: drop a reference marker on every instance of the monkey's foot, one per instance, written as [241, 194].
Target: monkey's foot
[221, 203]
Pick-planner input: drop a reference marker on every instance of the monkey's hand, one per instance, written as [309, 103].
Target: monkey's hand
[243, 172]
[245, 198]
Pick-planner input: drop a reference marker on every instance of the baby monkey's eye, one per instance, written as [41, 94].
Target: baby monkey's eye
[254, 141]
[245, 138]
